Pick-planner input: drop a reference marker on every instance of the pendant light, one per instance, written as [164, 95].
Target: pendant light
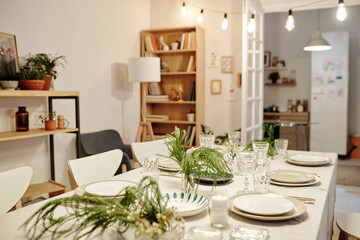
[225, 23]
[290, 23]
[201, 16]
[183, 10]
[341, 13]
[251, 24]
[317, 43]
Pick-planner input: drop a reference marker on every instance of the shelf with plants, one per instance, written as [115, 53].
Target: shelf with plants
[36, 132]
[182, 78]
[275, 69]
[280, 84]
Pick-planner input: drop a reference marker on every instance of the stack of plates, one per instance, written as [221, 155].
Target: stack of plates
[186, 204]
[293, 178]
[106, 189]
[170, 165]
[266, 207]
[308, 160]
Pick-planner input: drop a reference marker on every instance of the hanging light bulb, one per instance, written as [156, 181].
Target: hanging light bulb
[183, 10]
[225, 24]
[290, 23]
[201, 16]
[341, 13]
[251, 24]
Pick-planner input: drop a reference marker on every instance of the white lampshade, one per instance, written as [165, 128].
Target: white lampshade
[144, 69]
[317, 43]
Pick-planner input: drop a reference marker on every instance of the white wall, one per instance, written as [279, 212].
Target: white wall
[289, 46]
[97, 38]
[220, 115]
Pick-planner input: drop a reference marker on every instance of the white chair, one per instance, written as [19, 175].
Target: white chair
[142, 150]
[349, 225]
[93, 168]
[13, 185]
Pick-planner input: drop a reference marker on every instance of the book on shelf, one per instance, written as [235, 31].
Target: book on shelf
[157, 117]
[192, 136]
[188, 133]
[151, 43]
[154, 88]
[188, 41]
[191, 95]
[191, 64]
[157, 97]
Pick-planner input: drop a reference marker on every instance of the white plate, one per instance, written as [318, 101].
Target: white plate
[263, 204]
[308, 160]
[186, 204]
[108, 188]
[317, 179]
[169, 165]
[292, 176]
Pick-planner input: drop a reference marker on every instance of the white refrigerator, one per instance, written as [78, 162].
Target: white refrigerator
[329, 95]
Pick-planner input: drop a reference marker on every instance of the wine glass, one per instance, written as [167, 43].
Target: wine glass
[281, 147]
[234, 137]
[246, 162]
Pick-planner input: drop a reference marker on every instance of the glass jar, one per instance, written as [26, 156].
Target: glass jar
[22, 120]
[289, 105]
[293, 76]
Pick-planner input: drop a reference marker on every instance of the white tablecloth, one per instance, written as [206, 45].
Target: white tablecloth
[316, 223]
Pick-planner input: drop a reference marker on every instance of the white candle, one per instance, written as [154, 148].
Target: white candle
[219, 212]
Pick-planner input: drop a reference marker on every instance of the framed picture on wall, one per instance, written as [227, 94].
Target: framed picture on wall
[267, 59]
[226, 64]
[215, 86]
[9, 61]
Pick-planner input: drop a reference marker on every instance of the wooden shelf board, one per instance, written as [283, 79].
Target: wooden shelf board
[37, 132]
[286, 113]
[31, 93]
[161, 52]
[171, 102]
[275, 69]
[280, 84]
[177, 73]
[173, 122]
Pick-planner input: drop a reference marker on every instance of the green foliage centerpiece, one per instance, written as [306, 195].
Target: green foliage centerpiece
[201, 161]
[269, 137]
[141, 208]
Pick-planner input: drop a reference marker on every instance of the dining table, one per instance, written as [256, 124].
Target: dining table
[315, 223]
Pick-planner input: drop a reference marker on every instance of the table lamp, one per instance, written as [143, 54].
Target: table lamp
[144, 70]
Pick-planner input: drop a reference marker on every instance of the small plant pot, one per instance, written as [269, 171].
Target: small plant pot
[48, 80]
[50, 125]
[190, 117]
[9, 84]
[31, 84]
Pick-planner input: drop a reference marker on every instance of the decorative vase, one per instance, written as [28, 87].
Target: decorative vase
[48, 80]
[31, 84]
[188, 184]
[22, 120]
[9, 84]
[50, 125]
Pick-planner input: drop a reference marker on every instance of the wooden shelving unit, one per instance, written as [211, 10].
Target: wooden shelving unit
[178, 77]
[49, 96]
[280, 84]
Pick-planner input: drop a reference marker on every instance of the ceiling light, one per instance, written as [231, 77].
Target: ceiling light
[317, 43]
[290, 23]
[341, 13]
[183, 10]
[201, 16]
[251, 24]
[225, 24]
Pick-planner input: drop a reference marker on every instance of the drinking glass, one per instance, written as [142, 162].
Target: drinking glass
[281, 147]
[234, 137]
[246, 162]
[261, 148]
[207, 140]
[151, 167]
[248, 233]
[261, 180]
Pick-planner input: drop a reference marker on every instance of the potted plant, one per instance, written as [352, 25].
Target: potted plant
[31, 75]
[190, 116]
[49, 63]
[274, 77]
[201, 162]
[49, 120]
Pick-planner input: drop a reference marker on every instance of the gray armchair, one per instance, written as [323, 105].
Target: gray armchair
[106, 140]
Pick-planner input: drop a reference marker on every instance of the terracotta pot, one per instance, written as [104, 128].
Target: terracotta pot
[48, 80]
[50, 125]
[31, 84]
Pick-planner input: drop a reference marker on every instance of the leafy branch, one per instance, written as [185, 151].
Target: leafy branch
[269, 137]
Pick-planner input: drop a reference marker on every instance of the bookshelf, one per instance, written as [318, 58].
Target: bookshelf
[179, 76]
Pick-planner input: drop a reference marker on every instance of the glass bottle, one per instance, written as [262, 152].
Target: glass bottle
[22, 120]
[289, 105]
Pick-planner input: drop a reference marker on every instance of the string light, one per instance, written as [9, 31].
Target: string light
[200, 18]
[341, 13]
[290, 23]
[224, 24]
[251, 24]
[183, 10]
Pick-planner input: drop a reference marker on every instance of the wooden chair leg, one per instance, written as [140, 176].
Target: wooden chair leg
[18, 205]
[343, 235]
[139, 133]
[123, 168]
[151, 132]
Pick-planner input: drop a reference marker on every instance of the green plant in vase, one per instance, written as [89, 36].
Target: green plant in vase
[200, 161]
[269, 137]
[141, 208]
